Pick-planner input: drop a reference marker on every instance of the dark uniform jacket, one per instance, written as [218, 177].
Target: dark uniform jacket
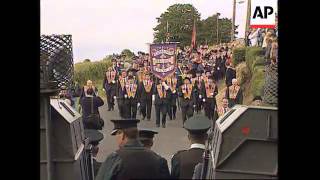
[184, 102]
[109, 86]
[204, 94]
[131, 161]
[144, 96]
[161, 101]
[184, 162]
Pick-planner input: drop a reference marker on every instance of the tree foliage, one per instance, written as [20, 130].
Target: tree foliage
[181, 17]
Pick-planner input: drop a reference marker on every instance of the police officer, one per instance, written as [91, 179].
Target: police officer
[146, 138]
[94, 137]
[162, 94]
[109, 86]
[145, 91]
[234, 94]
[183, 162]
[131, 160]
[209, 92]
[187, 99]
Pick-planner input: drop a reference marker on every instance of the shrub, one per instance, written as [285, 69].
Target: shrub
[90, 70]
[257, 81]
[259, 61]
[251, 54]
[238, 55]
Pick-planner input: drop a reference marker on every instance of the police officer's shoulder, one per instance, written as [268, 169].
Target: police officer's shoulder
[178, 153]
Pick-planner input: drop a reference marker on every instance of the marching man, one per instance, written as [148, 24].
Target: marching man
[209, 93]
[161, 98]
[109, 86]
[121, 92]
[187, 99]
[172, 106]
[131, 98]
[145, 91]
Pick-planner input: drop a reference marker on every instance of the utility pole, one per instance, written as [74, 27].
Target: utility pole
[248, 20]
[233, 20]
[218, 14]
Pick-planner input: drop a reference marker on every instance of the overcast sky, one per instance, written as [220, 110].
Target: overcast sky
[103, 27]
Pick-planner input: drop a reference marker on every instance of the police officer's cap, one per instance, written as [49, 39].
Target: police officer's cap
[94, 136]
[123, 124]
[197, 124]
[146, 133]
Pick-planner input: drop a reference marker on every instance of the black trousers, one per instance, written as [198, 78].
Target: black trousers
[145, 108]
[187, 112]
[199, 105]
[122, 108]
[130, 108]
[163, 109]
[209, 108]
[172, 110]
[110, 99]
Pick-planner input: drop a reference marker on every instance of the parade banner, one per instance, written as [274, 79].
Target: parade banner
[163, 59]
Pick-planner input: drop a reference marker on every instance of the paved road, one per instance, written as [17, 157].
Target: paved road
[167, 142]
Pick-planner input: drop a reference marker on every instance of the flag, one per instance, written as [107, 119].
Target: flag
[193, 38]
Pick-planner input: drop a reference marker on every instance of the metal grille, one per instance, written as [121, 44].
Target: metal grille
[56, 53]
[271, 85]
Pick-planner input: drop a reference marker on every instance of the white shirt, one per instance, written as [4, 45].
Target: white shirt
[196, 145]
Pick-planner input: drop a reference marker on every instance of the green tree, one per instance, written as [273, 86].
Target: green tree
[129, 54]
[180, 19]
[87, 60]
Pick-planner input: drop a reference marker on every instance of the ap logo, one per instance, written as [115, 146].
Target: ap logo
[263, 13]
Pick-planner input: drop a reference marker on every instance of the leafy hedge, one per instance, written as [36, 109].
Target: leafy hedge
[251, 56]
[238, 55]
[90, 70]
[257, 81]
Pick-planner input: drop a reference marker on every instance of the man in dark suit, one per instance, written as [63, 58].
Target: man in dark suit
[145, 91]
[131, 160]
[209, 93]
[162, 94]
[187, 96]
[184, 162]
[109, 86]
[131, 98]
[121, 93]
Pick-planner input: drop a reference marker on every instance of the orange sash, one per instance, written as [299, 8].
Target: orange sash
[111, 75]
[162, 94]
[187, 91]
[147, 85]
[131, 90]
[233, 91]
[122, 82]
[210, 90]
